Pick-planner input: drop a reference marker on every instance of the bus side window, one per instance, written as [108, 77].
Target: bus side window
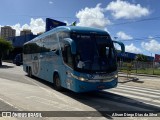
[67, 56]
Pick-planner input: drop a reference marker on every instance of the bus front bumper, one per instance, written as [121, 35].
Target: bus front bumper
[84, 86]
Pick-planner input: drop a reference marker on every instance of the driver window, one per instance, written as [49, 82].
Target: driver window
[67, 56]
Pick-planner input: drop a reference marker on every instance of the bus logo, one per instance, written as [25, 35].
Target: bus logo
[90, 76]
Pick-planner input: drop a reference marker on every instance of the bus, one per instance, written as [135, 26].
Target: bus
[80, 59]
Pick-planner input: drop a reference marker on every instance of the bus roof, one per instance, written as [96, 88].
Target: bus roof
[77, 29]
[82, 29]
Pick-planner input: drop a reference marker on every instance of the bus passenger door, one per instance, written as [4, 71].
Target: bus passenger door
[68, 63]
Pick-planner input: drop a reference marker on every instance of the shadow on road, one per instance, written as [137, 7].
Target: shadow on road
[138, 81]
[105, 103]
[6, 66]
[131, 79]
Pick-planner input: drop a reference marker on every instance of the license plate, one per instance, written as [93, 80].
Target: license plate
[101, 87]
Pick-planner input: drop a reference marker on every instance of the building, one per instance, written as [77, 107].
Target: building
[130, 56]
[157, 58]
[18, 42]
[7, 32]
[26, 32]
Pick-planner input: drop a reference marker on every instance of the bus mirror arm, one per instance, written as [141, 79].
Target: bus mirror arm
[72, 44]
[121, 44]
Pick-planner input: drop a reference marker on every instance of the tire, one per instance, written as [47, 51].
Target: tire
[30, 73]
[57, 83]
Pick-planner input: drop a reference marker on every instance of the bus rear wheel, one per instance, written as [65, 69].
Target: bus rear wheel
[57, 83]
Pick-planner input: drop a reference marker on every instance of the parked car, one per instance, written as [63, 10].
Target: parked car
[18, 60]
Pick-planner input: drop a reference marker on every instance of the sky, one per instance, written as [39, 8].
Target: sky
[134, 22]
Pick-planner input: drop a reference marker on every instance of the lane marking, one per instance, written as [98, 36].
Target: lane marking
[137, 97]
[138, 90]
[137, 93]
[149, 89]
[9, 104]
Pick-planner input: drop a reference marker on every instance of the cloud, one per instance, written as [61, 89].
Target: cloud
[123, 36]
[92, 17]
[50, 2]
[129, 48]
[107, 30]
[133, 49]
[36, 26]
[126, 10]
[18, 28]
[151, 46]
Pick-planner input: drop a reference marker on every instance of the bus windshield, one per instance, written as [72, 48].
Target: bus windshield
[95, 53]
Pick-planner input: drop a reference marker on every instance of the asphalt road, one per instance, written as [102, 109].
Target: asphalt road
[18, 92]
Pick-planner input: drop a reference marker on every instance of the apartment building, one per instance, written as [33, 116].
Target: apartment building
[7, 32]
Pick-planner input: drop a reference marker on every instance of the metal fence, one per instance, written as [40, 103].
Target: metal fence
[138, 67]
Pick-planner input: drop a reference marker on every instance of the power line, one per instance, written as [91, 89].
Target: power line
[140, 39]
[114, 24]
[130, 21]
[141, 20]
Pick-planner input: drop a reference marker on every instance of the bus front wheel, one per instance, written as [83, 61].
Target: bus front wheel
[57, 83]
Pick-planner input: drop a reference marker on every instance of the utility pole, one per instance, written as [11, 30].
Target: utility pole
[152, 63]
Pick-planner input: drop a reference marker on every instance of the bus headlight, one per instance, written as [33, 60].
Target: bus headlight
[79, 78]
[82, 79]
[116, 76]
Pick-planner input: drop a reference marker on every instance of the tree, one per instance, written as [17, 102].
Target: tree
[141, 57]
[5, 46]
